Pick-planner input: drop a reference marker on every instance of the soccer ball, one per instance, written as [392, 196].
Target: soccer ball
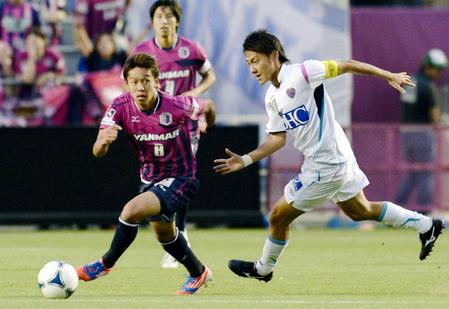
[57, 279]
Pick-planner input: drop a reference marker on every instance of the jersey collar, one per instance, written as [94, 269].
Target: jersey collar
[150, 112]
[169, 48]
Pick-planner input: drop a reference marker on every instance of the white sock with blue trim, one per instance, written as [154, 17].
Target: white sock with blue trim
[395, 215]
[271, 252]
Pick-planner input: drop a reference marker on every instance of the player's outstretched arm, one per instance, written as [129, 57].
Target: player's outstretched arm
[396, 80]
[209, 115]
[105, 138]
[235, 162]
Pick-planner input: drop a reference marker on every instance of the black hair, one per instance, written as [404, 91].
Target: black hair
[141, 60]
[172, 4]
[260, 41]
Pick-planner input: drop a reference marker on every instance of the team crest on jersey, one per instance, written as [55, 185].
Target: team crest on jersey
[296, 118]
[183, 52]
[291, 92]
[166, 119]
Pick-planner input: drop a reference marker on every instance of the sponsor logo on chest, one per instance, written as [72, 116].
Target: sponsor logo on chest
[296, 117]
[173, 74]
[156, 137]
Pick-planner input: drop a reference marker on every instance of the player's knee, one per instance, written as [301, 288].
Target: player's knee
[130, 213]
[276, 219]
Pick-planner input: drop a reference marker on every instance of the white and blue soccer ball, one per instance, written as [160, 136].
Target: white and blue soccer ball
[57, 279]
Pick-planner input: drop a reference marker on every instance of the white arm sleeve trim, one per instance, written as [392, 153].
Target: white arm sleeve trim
[205, 67]
[316, 72]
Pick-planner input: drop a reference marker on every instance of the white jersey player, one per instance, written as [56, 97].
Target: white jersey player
[297, 103]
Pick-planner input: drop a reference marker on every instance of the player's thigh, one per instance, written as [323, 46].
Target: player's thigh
[143, 205]
[306, 197]
[165, 231]
[283, 213]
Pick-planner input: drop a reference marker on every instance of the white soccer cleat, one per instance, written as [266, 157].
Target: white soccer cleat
[169, 262]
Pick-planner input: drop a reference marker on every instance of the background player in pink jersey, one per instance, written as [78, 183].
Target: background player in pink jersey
[180, 61]
[156, 123]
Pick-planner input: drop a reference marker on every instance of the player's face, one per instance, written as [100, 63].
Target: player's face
[143, 86]
[263, 67]
[164, 22]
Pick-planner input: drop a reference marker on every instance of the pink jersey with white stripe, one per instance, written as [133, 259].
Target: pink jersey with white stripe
[161, 138]
[51, 61]
[178, 66]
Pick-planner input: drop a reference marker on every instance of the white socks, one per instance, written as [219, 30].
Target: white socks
[395, 215]
[271, 252]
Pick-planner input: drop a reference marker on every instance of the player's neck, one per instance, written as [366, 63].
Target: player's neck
[150, 104]
[166, 41]
[275, 77]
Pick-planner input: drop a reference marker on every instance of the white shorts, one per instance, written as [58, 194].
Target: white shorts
[319, 183]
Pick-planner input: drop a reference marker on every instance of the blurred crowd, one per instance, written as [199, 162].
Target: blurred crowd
[38, 38]
[57, 56]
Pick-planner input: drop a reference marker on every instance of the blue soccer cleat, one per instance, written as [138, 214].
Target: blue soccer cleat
[92, 271]
[194, 283]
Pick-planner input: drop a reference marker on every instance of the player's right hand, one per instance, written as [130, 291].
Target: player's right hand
[230, 165]
[109, 134]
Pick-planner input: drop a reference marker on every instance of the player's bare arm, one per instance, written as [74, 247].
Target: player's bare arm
[209, 115]
[208, 79]
[395, 80]
[105, 138]
[235, 162]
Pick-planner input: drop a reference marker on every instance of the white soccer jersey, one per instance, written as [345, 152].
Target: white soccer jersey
[302, 107]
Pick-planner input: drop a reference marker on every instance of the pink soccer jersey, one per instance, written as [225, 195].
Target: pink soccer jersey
[51, 61]
[99, 15]
[178, 66]
[161, 138]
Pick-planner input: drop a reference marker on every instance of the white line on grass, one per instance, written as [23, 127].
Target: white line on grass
[185, 300]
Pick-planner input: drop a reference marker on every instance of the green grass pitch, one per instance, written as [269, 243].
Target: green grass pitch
[320, 269]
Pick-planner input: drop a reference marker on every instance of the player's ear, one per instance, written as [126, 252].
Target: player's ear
[274, 55]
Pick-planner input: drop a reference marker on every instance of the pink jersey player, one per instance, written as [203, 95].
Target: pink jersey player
[156, 124]
[161, 136]
[180, 63]
[180, 60]
[98, 16]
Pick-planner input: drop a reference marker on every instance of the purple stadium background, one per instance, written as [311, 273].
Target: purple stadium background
[395, 39]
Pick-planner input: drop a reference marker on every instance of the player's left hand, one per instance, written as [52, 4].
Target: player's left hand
[397, 80]
[230, 165]
[202, 124]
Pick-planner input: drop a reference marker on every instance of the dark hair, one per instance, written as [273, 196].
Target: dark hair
[260, 41]
[141, 60]
[172, 4]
